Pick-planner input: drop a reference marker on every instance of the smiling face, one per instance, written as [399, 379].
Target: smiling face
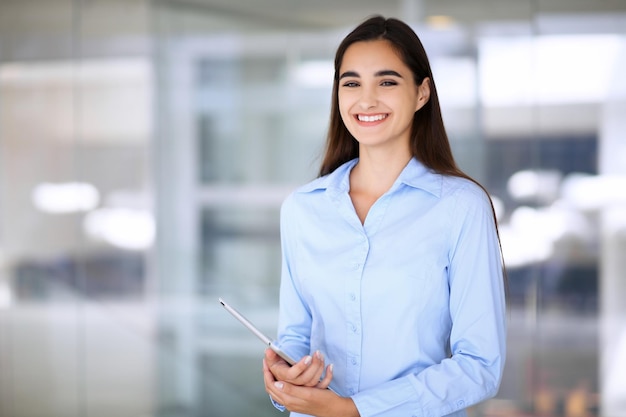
[377, 95]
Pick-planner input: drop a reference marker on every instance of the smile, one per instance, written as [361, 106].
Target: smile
[371, 118]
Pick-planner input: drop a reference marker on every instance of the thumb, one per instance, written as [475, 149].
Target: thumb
[270, 354]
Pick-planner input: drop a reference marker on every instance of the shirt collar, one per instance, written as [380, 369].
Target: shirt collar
[336, 182]
[415, 175]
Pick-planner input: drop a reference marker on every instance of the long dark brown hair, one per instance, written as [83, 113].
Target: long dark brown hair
[429, 141]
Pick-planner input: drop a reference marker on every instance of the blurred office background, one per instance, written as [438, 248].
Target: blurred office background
[146, 146]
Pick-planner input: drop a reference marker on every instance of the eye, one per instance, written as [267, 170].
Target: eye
[388, 83]
[350, 84]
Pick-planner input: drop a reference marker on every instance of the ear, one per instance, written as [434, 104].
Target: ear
[423, 93]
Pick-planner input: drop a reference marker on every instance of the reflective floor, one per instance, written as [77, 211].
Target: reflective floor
[55, 362]
[106, 358]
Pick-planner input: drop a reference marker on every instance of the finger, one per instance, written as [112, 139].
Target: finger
[311, 376]
[306, 372]
[265, 367]
[298, 374]
[272, 357]
[301, 367]
[277, 365]
[277, 394]
[305, 400]
[273, 387]
[324, 383]
[268, 378]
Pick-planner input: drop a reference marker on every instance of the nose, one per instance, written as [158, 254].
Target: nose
[368, 98]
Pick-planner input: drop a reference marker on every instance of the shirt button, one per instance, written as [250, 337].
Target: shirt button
[356, 266]
[352, 297]
[353, 361]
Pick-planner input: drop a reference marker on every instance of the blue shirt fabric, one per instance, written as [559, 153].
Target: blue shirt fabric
[409, 306]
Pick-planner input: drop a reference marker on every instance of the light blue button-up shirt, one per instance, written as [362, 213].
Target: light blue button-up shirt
[409, 306]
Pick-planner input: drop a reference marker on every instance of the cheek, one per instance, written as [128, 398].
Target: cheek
[344, 110]
[408, 103]
[417, 103]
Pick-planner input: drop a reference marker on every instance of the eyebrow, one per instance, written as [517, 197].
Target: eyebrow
[381, 73]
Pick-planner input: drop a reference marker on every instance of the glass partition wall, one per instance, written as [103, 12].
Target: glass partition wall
[76, 219]
[146, 147]
[242, 118]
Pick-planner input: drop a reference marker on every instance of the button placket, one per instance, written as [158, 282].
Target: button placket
[353, 314]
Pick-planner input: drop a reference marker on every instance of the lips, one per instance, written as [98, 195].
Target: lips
[371, 117]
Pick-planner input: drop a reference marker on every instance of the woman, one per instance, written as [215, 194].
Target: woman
[392, 287]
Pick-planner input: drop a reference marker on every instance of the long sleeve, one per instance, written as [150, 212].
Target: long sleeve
[294, 322]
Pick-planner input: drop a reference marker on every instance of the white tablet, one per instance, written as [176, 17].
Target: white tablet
[266, 340]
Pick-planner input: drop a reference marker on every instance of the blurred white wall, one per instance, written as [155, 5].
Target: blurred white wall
[613, 250]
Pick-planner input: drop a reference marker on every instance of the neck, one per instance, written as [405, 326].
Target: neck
[376, 172]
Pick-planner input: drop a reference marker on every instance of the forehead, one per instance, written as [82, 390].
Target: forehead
[372, 55]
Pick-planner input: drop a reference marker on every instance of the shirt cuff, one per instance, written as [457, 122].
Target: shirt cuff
[278, 406]
[397, 397]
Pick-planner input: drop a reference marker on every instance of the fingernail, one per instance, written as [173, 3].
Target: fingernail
[319, 355]
[307, 360]
[278, 384]
[331, 366]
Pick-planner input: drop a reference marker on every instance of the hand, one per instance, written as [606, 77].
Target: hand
[313, 400]
[306, 372]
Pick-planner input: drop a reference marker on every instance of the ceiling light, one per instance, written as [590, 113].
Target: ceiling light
[121, 227]
[440, 22]
[69, 197]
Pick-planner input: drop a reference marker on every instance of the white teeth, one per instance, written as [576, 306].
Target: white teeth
[374, 118]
